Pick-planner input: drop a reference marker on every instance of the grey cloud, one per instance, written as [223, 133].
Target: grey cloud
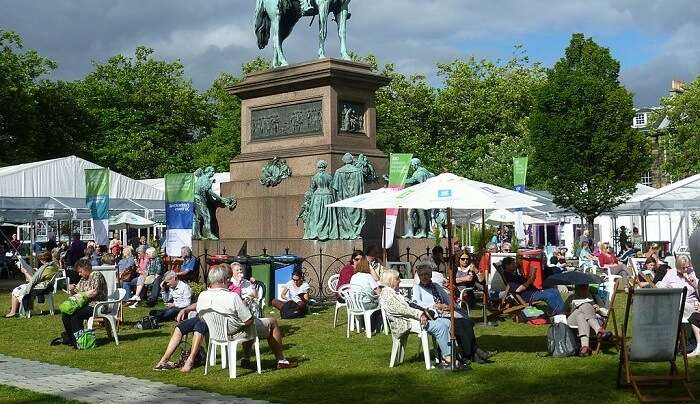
[216, 35]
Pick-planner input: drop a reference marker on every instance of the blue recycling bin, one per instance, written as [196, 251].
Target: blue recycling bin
[283, 266]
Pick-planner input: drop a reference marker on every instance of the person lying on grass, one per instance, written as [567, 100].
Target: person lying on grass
[218, 298]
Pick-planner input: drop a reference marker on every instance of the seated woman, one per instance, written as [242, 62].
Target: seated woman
[37, 279]
[347, 271]
[373, 253]
[467, 277]
[403, 316]
[362, 278]
[434, 298]
[653, 252]
[127, 263]
[684, 277]
[586, 260]
[93, 284]
[141, 268]
[645, 279]
[294, 296]
[151, 277]
[525, 288]
[582, 308]
[608, 260]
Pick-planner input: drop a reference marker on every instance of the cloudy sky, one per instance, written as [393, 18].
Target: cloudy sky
[655, 40]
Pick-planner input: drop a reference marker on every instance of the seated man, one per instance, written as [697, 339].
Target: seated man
[434, 298]
[176, 294]
[294, 297]
[524, 287]
[190, 265]
[219, 299]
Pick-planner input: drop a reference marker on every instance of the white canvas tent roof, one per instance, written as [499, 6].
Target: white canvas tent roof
[680, 195]
[28, 191]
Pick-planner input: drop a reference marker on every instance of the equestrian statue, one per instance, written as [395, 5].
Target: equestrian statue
[275, 19]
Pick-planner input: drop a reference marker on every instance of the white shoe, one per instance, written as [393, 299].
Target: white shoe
[696, 352]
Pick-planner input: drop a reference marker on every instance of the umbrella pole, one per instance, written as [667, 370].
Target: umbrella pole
[485, 299]
[450, 274]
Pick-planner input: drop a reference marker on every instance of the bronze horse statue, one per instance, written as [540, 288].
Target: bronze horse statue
[275, 19]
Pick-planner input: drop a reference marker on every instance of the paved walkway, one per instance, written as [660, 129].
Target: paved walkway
[96, 387]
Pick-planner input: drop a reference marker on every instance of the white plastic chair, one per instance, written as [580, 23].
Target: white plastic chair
[62, 277]
[217, 324]
[398, 346]
[48, 298]
[108, 311]
[333, 287]
[353, 299]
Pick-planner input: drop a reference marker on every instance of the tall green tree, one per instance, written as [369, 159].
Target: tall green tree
[584, 147]
[682, 142]
[20, 70]
[148, 115]
[482, 109]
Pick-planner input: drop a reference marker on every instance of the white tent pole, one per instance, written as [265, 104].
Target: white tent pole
[687, 228]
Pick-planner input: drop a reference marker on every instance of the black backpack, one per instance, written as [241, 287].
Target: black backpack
[148, 323]
[561, 341]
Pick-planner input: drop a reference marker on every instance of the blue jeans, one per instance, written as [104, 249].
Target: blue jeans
[440, 329]
[552, 297]
[128, 286]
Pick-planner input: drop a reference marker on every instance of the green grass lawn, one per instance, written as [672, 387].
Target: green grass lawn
[14, 395]
[334, 368]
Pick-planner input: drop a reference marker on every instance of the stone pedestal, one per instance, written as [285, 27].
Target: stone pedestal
[302, 113]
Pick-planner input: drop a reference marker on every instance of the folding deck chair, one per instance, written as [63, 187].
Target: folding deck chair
[656, 328]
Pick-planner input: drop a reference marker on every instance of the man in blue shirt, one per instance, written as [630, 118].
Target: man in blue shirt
[190, 266]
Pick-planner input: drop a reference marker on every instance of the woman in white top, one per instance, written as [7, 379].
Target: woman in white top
[296, 290]
[363, 279]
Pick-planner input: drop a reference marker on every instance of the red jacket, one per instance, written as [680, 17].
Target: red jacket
[345, 274]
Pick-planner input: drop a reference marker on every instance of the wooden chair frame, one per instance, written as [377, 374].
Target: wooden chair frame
[637, 381]
[610, 317]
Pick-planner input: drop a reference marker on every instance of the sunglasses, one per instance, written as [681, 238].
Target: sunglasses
[358, 258]
[463, 258]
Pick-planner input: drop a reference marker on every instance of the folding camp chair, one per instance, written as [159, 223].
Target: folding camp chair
[610, 290]
[656, 328]
[510, 303]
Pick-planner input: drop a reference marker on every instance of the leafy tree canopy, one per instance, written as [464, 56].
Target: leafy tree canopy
[682, 143]
[585, 151]
[147, 115]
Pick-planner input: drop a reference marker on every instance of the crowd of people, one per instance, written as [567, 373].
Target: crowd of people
[142, 273]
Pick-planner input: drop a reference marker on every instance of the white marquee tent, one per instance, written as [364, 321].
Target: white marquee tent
[56, 189]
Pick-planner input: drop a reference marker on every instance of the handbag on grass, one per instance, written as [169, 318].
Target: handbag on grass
[85, 339]
[74, 303]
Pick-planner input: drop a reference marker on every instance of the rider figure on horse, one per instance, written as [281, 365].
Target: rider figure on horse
[306, 7]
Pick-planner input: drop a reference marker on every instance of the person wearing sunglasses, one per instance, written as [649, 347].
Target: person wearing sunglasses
[467, 277]
[348, 271]
[684, 277]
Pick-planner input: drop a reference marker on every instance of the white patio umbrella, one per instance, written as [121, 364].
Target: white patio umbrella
[128, 220]
[449, 191]
[376, 199]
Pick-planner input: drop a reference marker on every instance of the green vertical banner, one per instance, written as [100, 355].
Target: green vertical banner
[399, 164]
[179, 212]
[519, 172]
[519, 178]
[97, 199]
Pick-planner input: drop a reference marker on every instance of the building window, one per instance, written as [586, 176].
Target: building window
[640, 119]
[646, 178]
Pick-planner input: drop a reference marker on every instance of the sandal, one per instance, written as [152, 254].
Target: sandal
[166, 366]
[57, 341]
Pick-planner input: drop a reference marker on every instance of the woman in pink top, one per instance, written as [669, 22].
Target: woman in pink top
[684, 277]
